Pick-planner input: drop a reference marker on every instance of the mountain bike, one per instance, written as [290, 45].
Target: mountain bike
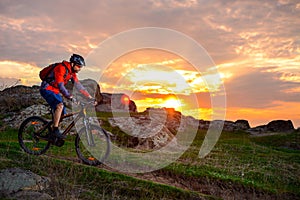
[92, 142]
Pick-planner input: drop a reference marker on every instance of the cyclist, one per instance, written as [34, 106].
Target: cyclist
[55, 84]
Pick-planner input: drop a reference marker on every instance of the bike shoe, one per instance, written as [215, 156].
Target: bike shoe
[56, 133]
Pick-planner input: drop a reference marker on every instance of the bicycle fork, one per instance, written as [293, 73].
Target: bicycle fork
[88, 133]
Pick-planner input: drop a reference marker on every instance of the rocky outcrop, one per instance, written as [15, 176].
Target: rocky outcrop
[14, 120]
[18, 97]
[107, 102]
[242, 124]
[90, 85]
[155, 128]
[116, 103]
[19, 102]
[227, 125]
[16, 183]
[278, 126]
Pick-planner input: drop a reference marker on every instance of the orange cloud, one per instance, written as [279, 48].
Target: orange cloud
[26, 73]
[257, 116]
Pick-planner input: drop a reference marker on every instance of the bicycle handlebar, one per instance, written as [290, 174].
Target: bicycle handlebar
[82, 103]
[87, 103]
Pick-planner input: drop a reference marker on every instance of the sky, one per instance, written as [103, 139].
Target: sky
[254, 45]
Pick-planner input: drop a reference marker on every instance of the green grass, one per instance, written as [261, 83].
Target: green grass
[248, 161]
[85, 182]
[267, 164]
[287, 142]
[74, 180]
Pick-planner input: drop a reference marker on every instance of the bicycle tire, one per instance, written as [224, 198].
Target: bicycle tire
[93, 155]
[28, 140]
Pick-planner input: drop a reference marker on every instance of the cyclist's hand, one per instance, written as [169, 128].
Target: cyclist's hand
[95, 103]
[74, 100]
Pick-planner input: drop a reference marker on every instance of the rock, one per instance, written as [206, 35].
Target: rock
[203, 124]
[18, 97]
[257, 129]
[118, 102]
[17, 118]
[90, 85]
[19, 102]
[273, 126]
[230, 125]
[280, 126]
[242, 124]
[17, 183]
[155, 128]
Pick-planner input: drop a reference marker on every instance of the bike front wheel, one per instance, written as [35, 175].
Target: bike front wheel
[32, 135]
[92, 145]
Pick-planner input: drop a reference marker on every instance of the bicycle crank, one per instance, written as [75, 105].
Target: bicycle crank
[56, 141]
[59, 142]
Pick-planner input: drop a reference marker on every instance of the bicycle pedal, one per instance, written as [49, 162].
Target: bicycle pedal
[51, 138]
[56, 141]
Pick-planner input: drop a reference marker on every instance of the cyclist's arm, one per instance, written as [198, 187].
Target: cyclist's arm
[80, 87]
[60, 72]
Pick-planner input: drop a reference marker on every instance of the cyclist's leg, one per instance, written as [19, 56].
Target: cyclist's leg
[56, 103]
[57, 114]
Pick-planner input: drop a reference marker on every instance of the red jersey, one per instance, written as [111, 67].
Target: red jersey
[61, 74]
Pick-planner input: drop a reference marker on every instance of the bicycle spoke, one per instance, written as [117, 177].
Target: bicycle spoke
[29, 138]
[94, 148]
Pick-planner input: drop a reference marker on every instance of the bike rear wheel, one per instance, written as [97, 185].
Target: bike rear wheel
[31, 136]
[92, 147]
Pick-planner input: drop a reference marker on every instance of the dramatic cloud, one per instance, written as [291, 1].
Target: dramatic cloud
[255, 44]
[259, 89]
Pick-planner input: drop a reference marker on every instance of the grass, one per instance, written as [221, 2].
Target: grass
[74, 180]
[80, 181]
[268, 164]
[251, 162]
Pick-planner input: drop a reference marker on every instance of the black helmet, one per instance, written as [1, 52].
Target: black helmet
[77, 59]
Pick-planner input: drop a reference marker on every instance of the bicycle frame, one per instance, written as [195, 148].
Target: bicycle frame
[36, 135]
[80, 114]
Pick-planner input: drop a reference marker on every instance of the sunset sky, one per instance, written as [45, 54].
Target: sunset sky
[255, 46]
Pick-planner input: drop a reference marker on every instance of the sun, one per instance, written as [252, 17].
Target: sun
[172, 103]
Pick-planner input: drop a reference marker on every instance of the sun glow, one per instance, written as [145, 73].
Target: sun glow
[172, 102]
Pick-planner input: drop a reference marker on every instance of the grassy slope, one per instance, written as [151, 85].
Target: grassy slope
[263, 163]
[74, 180]
[256, 162]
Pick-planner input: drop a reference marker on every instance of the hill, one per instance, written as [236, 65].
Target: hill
[240, 166]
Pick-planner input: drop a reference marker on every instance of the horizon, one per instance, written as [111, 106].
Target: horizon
[171, 100]
[254, 46]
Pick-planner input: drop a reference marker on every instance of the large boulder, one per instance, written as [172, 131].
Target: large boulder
[16, 183]
[19, 102]
[242, 124]
[107, 102]
[18, 97]
[274, 126]
[227, 125]
[118, 102]
[280, 126]
[154, 128]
